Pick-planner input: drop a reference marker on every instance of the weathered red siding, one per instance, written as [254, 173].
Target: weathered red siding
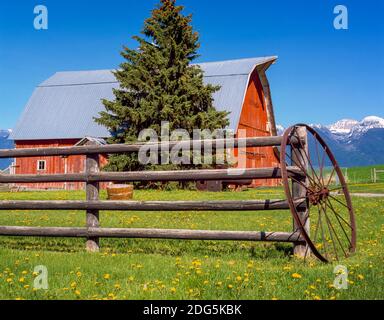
[54, 165]
[254, 120]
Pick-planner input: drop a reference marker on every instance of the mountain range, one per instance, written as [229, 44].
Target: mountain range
[5, 144]
[354, 143]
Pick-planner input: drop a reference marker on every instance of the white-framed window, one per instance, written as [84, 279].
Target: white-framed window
[41, 165]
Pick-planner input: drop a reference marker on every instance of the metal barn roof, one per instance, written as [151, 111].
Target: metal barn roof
[63, 106]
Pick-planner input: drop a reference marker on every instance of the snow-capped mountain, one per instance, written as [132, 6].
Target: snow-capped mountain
[5, 144]
[343, 126]
[355, 143]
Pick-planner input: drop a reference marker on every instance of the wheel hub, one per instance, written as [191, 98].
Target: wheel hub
[318, 194]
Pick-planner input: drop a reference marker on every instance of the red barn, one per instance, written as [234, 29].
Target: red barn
[61, 110]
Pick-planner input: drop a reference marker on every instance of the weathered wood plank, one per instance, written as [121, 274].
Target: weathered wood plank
[180, 175]
[225, 205]
[92, 194]
[135, 147]
[152, 234]
[299, 155]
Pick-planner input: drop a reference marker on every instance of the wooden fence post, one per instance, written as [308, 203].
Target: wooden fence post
[298, 191]
[92, 192]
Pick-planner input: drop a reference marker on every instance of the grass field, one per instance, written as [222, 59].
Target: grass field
[363, 174]
[159, 269]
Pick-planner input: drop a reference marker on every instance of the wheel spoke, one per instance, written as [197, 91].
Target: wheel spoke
[312, 178]
[339, 201]
[335, 233]
[335, 189]
[322, 233]
[330, 177]
[337, 217]
[308, 160]
[318, 158]
[330, 232]
[303, 169]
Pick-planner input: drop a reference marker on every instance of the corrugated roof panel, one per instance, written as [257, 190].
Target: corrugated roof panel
[233, 67]
[63, 106]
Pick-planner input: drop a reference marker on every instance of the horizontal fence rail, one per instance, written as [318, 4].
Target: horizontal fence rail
[225, 205]
[152, 234]
[160, 176]
[135, 147]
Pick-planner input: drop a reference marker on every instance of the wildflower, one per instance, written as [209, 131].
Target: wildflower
[117, 286]
[131, 278]
[316, 298]
[24, 272]
[107, 276]
[78, 273]
[26, 286]
[9, 280]
[230, 286]
[173, 290]
[205, 282]
[73, 284]
[274, 298]
[21, 279]
[296, 276]
[77, 292]
[238, 278]
[360, 276]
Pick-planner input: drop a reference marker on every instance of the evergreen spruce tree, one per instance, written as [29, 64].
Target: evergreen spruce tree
[158, 83]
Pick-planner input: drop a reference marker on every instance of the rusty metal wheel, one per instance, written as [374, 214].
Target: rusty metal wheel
[330, 233]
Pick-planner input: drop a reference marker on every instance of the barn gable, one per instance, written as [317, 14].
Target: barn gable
[63, 106]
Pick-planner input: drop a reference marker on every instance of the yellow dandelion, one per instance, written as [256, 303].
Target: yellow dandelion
[230, 286]
[296, 275]
[107, 276]
[205, 282]
[24, 272]
[79, 274]
[22, 279]
[238, 278]
[9, 280]
[316, 298]
[173, 290]
[77, 292]
[73, 284]
[131, 278]
[26, 286]
[360, 277]
[274, 298]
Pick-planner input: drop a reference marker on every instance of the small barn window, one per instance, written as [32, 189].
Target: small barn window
[41, 165]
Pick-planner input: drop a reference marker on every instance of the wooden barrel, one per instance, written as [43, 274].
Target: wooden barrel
[120, 192]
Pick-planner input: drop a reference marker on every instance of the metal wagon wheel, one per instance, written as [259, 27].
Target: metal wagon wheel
[331, 233]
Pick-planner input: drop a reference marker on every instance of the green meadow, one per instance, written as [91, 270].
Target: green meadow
[178, 269]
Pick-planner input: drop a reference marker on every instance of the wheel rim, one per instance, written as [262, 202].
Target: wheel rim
[332, 232]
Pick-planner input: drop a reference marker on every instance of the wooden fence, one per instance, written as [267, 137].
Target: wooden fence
[92, 205]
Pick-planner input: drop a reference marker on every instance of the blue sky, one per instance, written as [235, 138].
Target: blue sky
[322, 74]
